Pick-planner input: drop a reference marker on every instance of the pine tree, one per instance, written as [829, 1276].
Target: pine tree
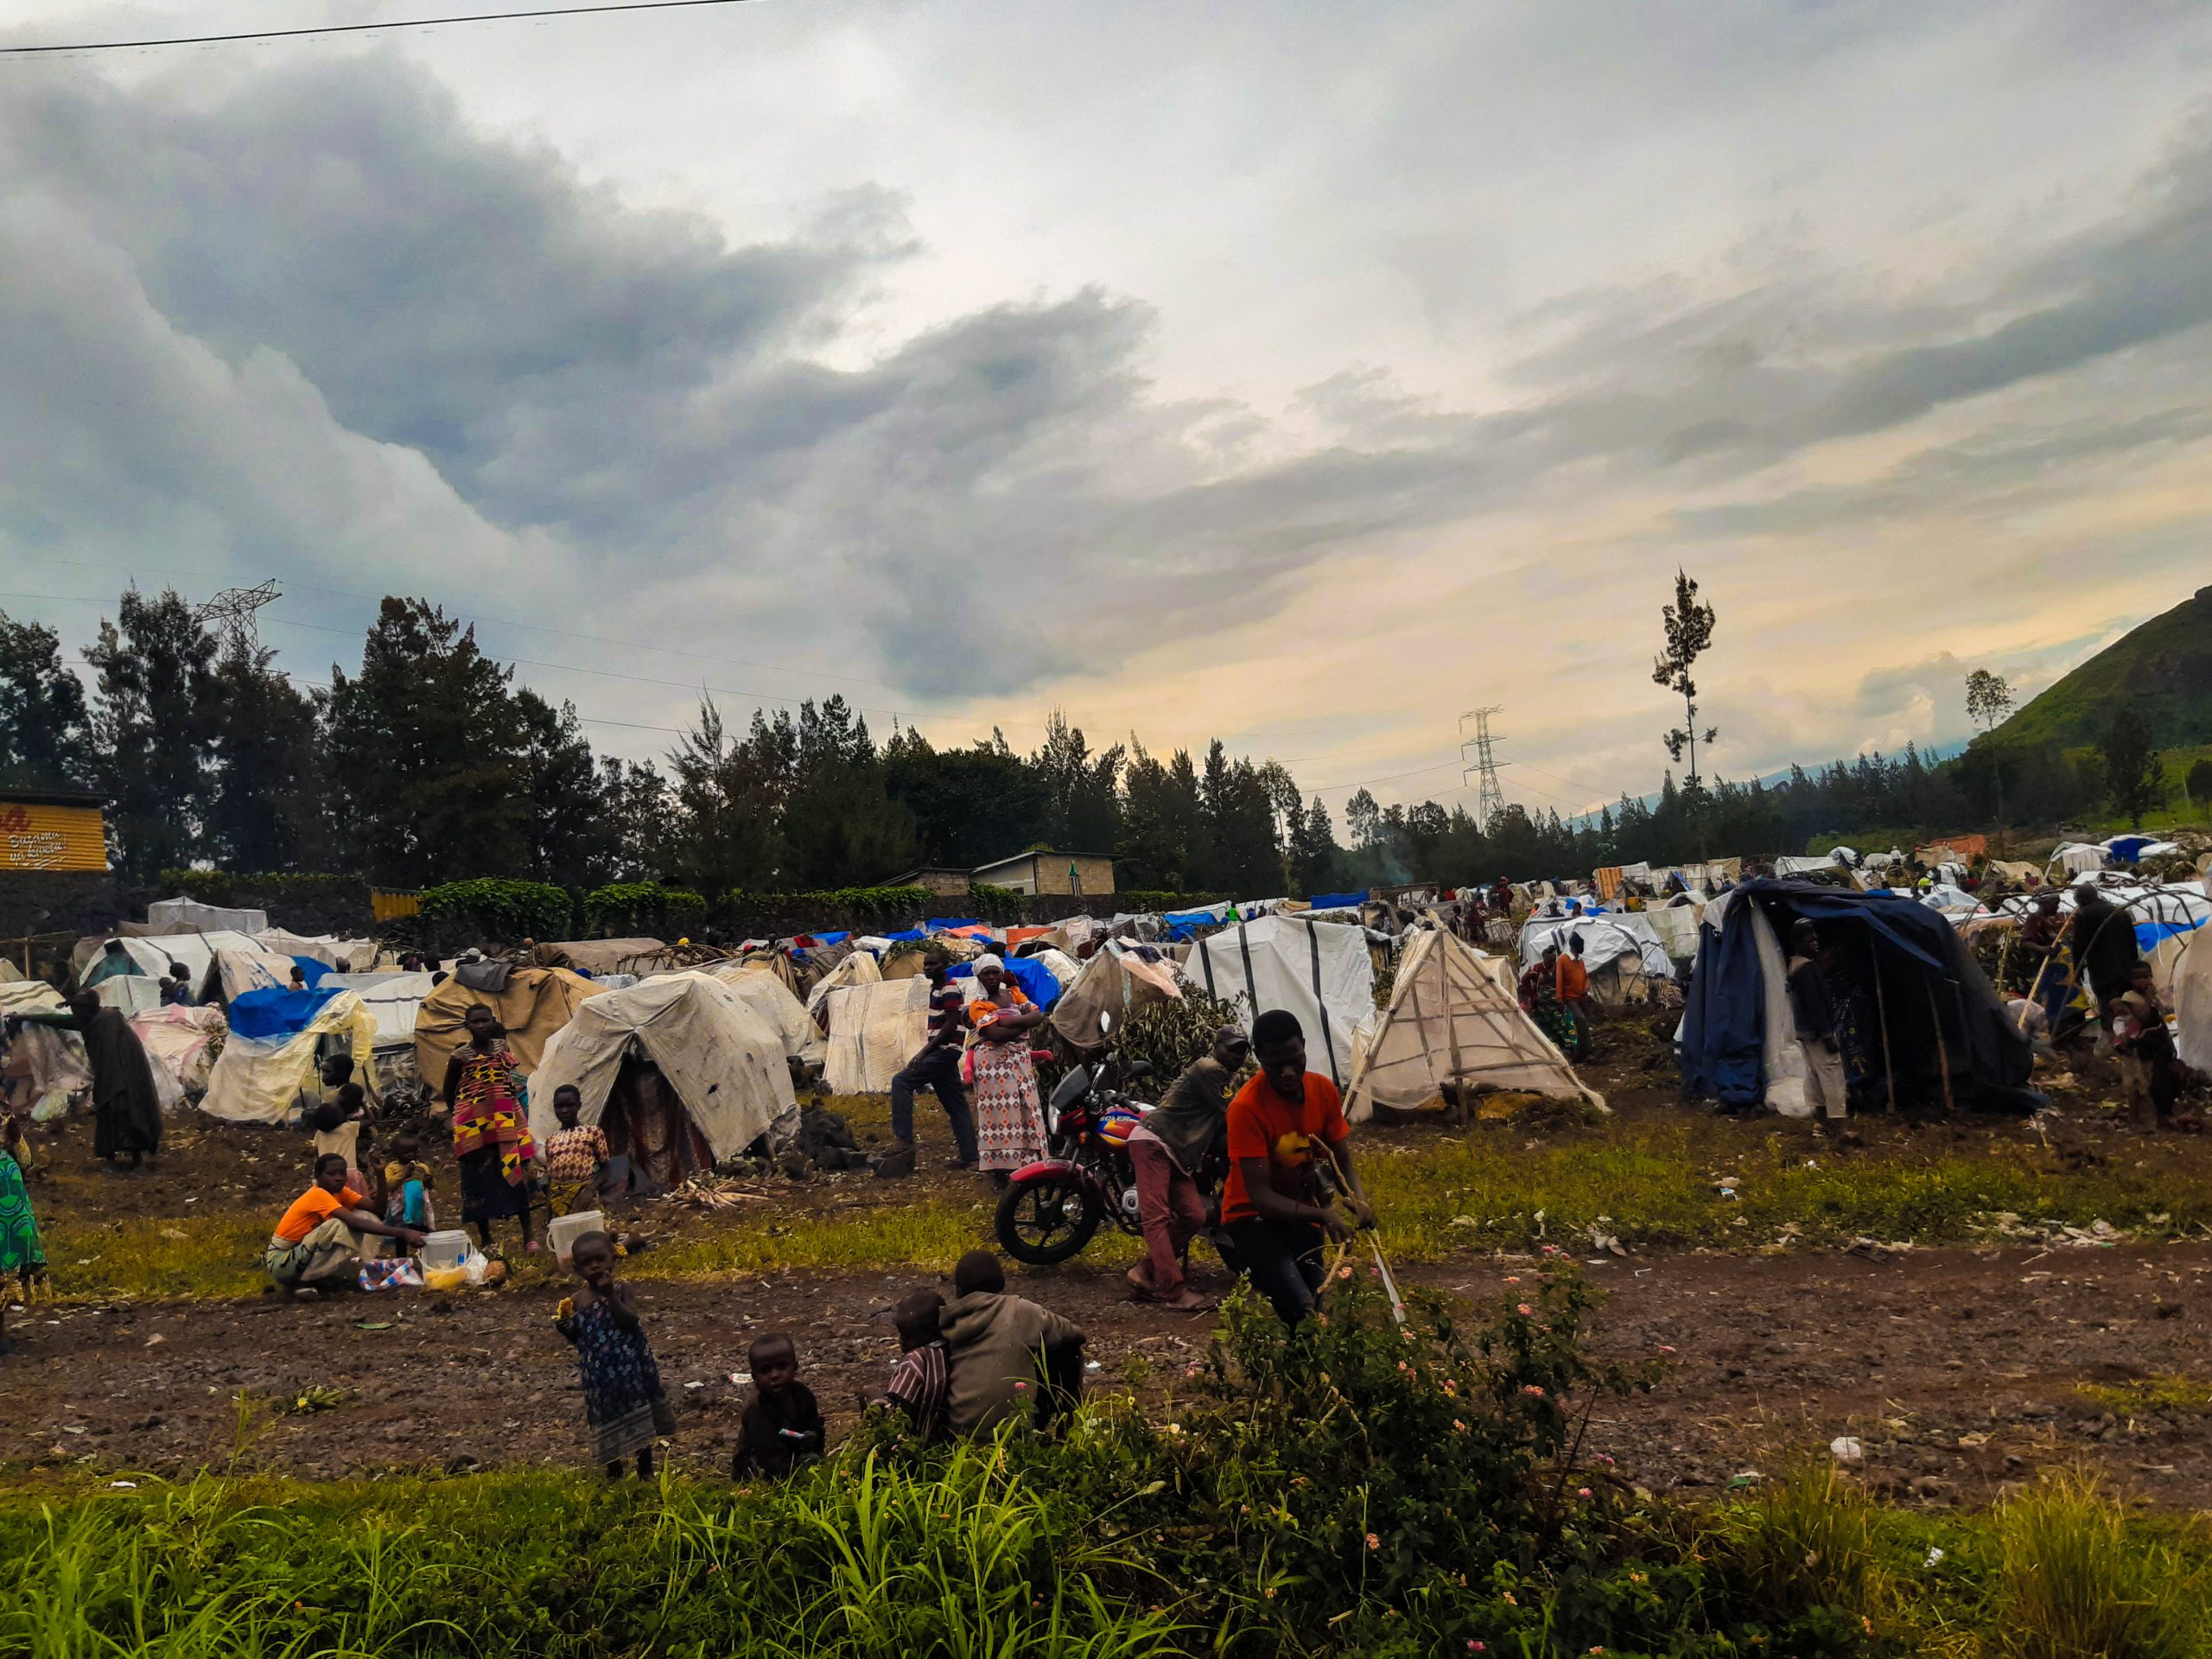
[561, 782]
[154, 728]
[267, 811]
[46, 738]
[728, 796]
[2134, 776]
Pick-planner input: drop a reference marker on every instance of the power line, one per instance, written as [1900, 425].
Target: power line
[357, 28]
[1490, 797]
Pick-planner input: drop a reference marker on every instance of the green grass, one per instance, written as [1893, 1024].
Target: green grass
[2178, 1396]
[1651, 1181]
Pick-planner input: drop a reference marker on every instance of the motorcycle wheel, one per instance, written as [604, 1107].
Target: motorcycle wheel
[1047, 1220]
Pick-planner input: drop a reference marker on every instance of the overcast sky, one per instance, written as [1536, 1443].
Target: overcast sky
[1305, 374]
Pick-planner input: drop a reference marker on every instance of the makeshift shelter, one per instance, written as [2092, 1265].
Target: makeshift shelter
[874, 1029]
[42, 1068]
[1119, 979]
[1454, 1022]
[2165, 918]
[1319, 971]
[2076, 858]
[2192, 994]
[532, 1004]
[859, 968]
[268, 1063]
[393, 998]
[1674, 926]
[1623, 951]
[357, 956]
[237, 972]
[1936, 1032]
[679, 1071]
[766, 995]
[180, 1044]
[597, 958]
[129, 994]
[153, 953]
[182, 915]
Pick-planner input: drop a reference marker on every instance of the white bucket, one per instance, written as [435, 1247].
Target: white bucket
[442, 1250]
[565, 1230]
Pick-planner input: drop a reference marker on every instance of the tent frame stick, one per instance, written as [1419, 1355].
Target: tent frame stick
[1943, 1052]
[1882, 1014]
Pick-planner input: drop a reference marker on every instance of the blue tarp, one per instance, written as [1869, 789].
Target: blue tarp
[2126, 847]
[946, 924]
[831, 938]
[272, 1014]
[1337, 901]
[1724, 1026]
[314, 971]
[1033, 976]
[900, 937]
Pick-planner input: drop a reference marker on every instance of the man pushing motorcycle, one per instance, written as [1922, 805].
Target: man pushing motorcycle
[1275, 1206]
[1168, 1152]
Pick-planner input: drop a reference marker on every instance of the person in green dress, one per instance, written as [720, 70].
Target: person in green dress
[21, 1255]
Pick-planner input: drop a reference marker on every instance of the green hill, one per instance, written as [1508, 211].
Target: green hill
[2163, 669]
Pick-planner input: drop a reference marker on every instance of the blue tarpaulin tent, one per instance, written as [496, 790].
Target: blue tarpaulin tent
[1033, 976]
[904, 935]
[1337, 901]
[1915, 1002]
[314, 971]
[946, 924]
[265, 1014]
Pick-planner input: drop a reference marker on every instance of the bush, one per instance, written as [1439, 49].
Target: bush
[995, 903]
[507, 910]
[626, 909]
[881, 903]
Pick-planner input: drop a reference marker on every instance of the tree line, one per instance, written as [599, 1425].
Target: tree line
[427, 764]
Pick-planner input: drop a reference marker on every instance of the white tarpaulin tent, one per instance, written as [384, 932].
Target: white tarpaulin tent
[2078, 858]
[859, 968]
[2192, 981]
[1117, 980]
[259, 1080]
[1455, 1016]
[358, 955]
[154, 953]
[724, 1061]
[130, 995]
[1319, 971]
[43, 1067]
[182, 915]
[176, 1042]
[252, 969]
[874, 1029]
[1674, 926]
[768, 997]
[1621, 949]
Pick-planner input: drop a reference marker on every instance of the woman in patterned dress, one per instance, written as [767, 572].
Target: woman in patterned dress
[491, 1129]
[1009, 1116]
[21, 1255]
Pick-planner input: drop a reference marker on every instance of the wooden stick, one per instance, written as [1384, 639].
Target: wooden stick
[1942, 1051]
[1882, 1014]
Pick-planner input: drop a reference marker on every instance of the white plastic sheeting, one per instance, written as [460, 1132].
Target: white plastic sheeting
[724, 1061]
[1607, 937]
[260, 1080]
[176, 1042]
[252, 969]
[859, 968]
[130, 994]
[154, 953]
[182, 915]
[767, 995]
[1116, 981]
[358, 955]
[874, 1029]
[2192, 994]
[1789, 1070]
[43, 1067]
[1454, 1015]
[1319, 971]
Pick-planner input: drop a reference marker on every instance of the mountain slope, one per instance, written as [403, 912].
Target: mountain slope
[2163, 669]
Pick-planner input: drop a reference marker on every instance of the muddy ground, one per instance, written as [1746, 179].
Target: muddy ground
[1955, 1370]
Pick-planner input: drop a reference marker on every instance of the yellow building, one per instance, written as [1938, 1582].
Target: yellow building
[51, 830]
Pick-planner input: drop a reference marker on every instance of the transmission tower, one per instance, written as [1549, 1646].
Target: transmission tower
[231, 614]
[1490, 795]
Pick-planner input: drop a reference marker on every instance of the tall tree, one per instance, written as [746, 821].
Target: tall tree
[425, 750]
[639, 833]
[154, 728]
[2200, 783]
[267, 809]
[969, 806]
[1159, 811]
[1362, 818]
[841, 828]
[1315, 859]
[1688, 632]
[2134, 776]
[46, 738]
[561, 783]
[1083, 811]
[1989, 700]
[729, 796]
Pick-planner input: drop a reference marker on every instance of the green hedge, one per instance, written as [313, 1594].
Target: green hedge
[882, 903]
[508, 910]
[218, 887]
[629, 908]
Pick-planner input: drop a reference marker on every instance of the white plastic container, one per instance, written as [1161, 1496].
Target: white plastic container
[565, 1230]
[442, 1250]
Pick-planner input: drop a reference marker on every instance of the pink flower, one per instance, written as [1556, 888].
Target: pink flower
[1532, 1391]
[1474, 1646]
[1582, 1492]
[1524, 1309]
[1512, 1278]
[1457, 1424]
[1665, 1349]
[1343, 1273]
[1373, 1542]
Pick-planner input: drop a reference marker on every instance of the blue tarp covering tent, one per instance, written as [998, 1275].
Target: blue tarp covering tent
[902, 936]
[1915, 1003]
[314, 971]
[831, 938]
[946, 924]
[1033, 976]
[1337, 901]
[265, 1014]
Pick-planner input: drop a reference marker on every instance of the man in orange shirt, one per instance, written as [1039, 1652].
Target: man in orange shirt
[1571, 983]
[317, 1245]
[1273, 1205]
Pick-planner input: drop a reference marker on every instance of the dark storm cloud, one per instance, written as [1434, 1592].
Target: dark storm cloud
[321, 312]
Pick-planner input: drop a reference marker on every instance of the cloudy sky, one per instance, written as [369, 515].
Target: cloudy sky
[1300, 373]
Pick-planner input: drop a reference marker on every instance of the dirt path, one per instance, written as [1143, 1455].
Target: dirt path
[1956, 1371]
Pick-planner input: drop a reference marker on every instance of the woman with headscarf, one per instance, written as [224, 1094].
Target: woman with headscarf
[1009, 1116]
[490, 1128]
[126, 1110]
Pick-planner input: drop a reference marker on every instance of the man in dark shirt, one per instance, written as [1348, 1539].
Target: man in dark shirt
[2046, 974]
[1166, 1152]
[2102, 938]
[936, 1068]
[1813, 1009]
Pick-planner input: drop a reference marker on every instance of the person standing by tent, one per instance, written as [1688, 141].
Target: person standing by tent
[2045, 973]
[1540, 997]
[1571, 983]
[126, 1111]
[2102, 940]
[936, 1068]
[1814, 1011]
[1009, 1116]
[21, 1257]
[1275, 1205]
[491, 1130]
[1166, 1151]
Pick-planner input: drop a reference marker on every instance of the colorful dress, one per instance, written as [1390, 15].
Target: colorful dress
[1009, 1115]
[20, 1252]
[572, 1158]
[491, 1136]
[624, 1402]
[1541, 998]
